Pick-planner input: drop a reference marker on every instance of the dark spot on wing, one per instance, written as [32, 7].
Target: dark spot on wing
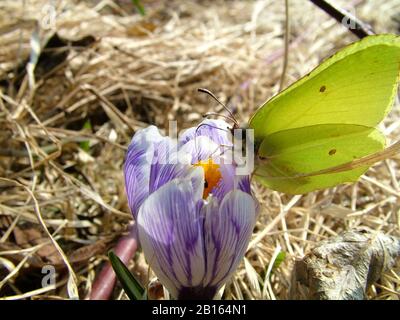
[205, 184]
[322, 89]
[332, 152]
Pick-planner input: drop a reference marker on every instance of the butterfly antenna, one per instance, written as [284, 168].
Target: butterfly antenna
[197, 129]
[217, 115]
[232, 117]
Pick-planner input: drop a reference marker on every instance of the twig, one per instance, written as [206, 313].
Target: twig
[356, 26]
[73, 280]
[286, 54]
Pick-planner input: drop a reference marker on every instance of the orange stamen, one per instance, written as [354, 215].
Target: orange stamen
[212, 175]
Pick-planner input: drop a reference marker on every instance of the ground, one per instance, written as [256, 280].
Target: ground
[106, 72]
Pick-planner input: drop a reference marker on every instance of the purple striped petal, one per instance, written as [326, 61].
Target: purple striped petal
[151, 161]
[227, 182]
[170, 229]
[230, 182]
[137, 166]
[244, 184]
[216, 130]
[228, 228]
[202, 148]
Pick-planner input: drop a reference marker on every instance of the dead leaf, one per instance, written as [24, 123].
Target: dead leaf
[86, 252]
[29, 235]
[343, 267]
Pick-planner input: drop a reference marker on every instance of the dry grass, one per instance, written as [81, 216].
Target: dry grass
[142, 71]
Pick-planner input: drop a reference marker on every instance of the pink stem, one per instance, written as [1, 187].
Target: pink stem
[105, 281]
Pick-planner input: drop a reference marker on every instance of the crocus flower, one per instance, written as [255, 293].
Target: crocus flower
[194, 215]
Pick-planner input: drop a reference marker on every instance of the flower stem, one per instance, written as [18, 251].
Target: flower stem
[105, 281]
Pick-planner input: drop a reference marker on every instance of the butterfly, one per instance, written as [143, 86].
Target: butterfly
[322, 130]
